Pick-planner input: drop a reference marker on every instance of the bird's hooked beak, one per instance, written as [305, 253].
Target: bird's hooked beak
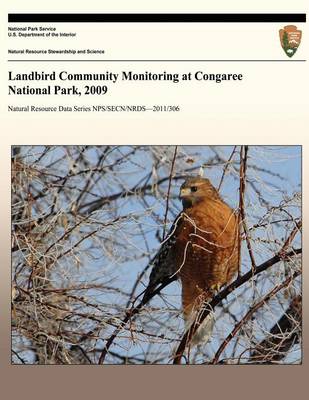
[184, 192]
[186, 197]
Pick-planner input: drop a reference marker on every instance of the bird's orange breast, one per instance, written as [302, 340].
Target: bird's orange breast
[207, 250]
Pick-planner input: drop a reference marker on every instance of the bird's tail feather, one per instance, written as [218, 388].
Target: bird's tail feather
[204, 331]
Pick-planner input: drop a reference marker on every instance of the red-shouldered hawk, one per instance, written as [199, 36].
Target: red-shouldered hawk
[201, 249]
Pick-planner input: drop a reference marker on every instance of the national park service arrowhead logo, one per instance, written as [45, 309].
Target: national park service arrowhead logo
[290, 38]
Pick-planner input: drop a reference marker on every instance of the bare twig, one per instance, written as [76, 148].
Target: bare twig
[168, 192]
[242, 213]
[226, 166]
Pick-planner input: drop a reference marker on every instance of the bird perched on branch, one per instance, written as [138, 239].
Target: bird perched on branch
[201, 249]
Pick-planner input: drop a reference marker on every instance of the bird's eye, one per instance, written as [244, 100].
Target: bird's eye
[193, 188]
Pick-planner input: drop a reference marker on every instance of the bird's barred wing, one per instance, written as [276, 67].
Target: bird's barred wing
[163, 265]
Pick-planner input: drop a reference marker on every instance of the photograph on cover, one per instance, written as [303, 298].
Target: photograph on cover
[131, 254]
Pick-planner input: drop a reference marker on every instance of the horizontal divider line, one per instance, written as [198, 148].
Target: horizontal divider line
[159, 17]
